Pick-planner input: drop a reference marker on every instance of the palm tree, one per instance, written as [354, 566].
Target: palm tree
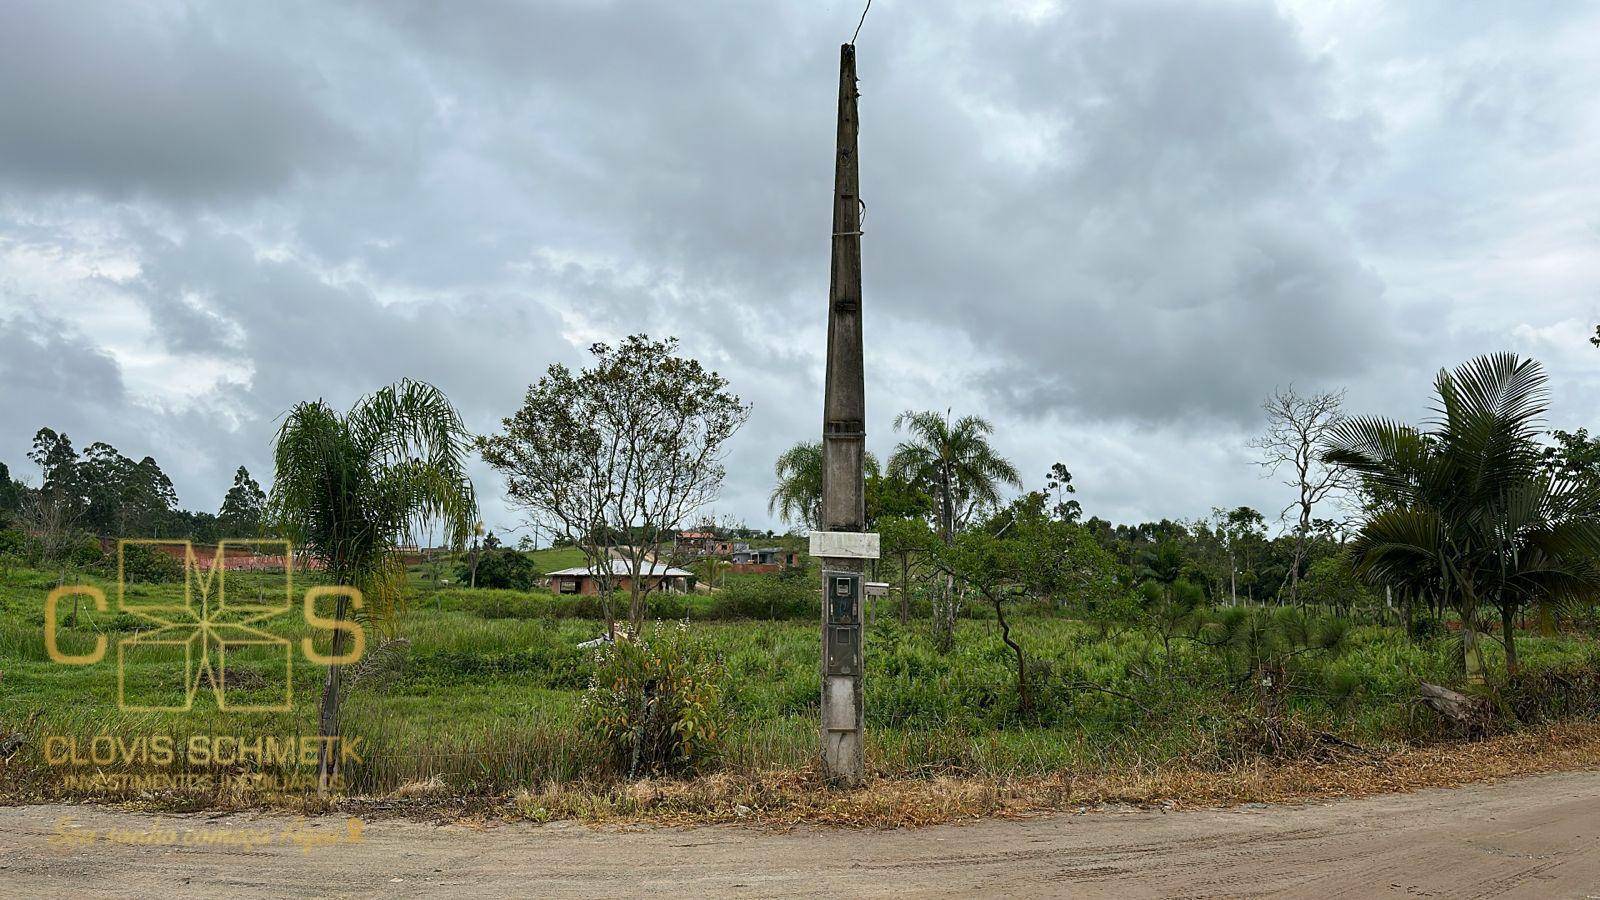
[797, 495]
[712, 570]
[954, 461]
[350, 487]
[1464, 512]
[957, 466]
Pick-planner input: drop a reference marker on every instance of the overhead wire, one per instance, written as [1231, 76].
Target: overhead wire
[860, 23]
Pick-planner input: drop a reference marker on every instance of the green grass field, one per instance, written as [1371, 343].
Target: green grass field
[482, 689]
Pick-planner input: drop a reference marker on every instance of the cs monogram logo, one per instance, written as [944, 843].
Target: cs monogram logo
[213, 637]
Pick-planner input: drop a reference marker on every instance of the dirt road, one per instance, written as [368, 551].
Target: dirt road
[1531, 837]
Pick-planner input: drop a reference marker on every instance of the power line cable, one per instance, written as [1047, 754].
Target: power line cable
[860, 23]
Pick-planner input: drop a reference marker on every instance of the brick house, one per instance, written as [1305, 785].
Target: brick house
[584, 580]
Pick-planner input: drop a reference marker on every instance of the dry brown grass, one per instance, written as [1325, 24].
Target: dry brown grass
[786, 798]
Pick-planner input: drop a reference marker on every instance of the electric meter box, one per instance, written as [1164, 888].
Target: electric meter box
[841, 650]
[844, 598]
[842, 643]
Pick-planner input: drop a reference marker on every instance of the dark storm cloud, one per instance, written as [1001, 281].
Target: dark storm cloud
[1166, 217]
[122, 99]
[52, 376]
[310, 339]
[1111, 226]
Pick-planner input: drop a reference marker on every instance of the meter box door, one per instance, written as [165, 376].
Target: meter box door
[844, 597]
[841, 651]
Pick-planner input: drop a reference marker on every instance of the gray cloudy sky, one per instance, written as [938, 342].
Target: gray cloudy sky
[1112, 226]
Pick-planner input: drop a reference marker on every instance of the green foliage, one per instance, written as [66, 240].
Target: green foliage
[1171, 610]
[1332, 582]
[791, 594]
[503, 568]
[1058, 560]
[1250, 640]
[349, 487]
[890, 496]
[656, 703]
[1467, 513]
[912, 536]
[952, 462]
[621, 452]
[244, 508]
[711, 571]
[492, 683]
[143, 563]
[10, 495]
[13, 542]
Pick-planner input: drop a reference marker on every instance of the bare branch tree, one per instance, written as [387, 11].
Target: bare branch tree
[1296, 426]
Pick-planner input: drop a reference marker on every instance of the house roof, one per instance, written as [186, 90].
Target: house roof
[621, 567]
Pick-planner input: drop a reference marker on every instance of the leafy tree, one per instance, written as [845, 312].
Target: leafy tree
[997, 571]
[152, 498]
[906, 540]
[10, 495]
[1061, 562]
[503, 568]
[349, 487]
[107, 478]
[200, 527]
[1059, 481]
[630, 448]
[244, 508]
[53, 514]
[1245, 531]
[58, 467]
[1059, 559]
[1466, 509]
[891, 497]
[1332, 581]
[118, 496]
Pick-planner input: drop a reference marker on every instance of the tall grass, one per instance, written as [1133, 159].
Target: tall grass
[480, 689]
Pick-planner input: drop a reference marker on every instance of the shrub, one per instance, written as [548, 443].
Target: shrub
[142, 563]
[788, 595]
[502, 568]
[656, 703]
[13, 542]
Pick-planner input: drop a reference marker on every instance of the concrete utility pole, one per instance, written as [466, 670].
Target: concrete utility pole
[841, 542]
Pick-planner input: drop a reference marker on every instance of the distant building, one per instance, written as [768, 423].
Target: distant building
[242, 555]
[706, 543]
[764, 556]
[581, 580]
[695, 543]
[764, 559]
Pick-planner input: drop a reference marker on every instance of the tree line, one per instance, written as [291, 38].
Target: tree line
[1476, 510]
[102, 492]
[1479, 511]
